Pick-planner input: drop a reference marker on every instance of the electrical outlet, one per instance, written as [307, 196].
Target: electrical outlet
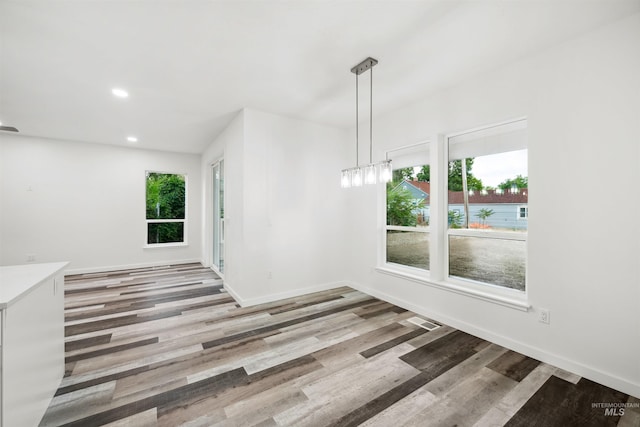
[31, 258]
[545, 316]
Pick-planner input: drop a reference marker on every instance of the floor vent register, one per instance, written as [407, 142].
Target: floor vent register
[425, 324]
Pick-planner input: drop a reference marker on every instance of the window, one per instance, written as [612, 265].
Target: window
[165, 206]
[408, 209]
[457, 212]
[487, 202]
[523, 212]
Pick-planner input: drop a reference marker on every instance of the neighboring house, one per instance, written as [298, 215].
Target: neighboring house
[510, 210]
[420, 192]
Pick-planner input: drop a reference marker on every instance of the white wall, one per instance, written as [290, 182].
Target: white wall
[85, 203]
[283, 204]
[582, 100]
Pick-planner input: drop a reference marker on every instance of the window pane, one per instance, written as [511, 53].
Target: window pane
[497, 192]
[165, 196]
[488, 189]
[496, 261]
[165, 232]
[409, 248]
[408, 196]
[408, 205]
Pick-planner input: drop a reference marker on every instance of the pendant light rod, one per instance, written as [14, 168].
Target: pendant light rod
[357, 117]
[371, 116]
[366, 65]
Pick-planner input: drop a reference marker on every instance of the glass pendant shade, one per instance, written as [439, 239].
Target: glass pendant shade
[356, 177]
[345, 180]
[370, 174]
[386, 171]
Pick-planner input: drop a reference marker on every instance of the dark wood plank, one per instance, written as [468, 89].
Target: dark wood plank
[433, 354]
[84, 290]
[101, 380]
[561, 403]
[514, 365]
[296, 305]
[371, 314]
[116, 322]
[370, 352]
[110, 350]
[87, 342]
[98, 312]
[208, 304]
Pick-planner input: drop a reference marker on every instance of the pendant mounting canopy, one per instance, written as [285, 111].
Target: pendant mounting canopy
[364, 66]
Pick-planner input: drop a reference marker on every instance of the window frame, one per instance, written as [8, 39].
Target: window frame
[437, 276]
[382, 253]
[184, 221]
[505, 235]
[519, 216]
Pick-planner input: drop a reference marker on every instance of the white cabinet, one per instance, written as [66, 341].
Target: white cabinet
[31, 340]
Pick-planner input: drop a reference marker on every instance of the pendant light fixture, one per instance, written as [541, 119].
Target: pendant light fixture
[370, 173]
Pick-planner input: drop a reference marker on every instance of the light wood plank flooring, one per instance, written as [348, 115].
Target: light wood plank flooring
[167, 346]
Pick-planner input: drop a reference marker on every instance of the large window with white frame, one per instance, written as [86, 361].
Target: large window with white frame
[487, 206]
[408, 209]
[166, 197]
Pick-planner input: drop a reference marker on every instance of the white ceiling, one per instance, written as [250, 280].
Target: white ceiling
[191, 65]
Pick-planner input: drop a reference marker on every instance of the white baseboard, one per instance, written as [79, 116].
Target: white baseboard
[101, 269]
[593, 374]
[247, 302]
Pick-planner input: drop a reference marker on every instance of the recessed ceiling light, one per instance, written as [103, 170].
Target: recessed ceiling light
[132, 139]
[120, 93]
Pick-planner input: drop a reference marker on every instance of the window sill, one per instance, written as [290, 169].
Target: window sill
[516, 302]
[165, 245]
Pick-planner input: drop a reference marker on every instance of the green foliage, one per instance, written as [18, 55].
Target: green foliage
[165, 199]
[455, 176]
[483, 214]
[165, 196]
[519, 181]
[401, 207]
[400, 174]
[169, 232]
[455, 219]
[425, 174]
[473, 183]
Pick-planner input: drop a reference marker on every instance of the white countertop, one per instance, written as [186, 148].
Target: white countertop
[18, 280]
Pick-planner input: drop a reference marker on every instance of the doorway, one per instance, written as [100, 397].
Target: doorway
[218, 217]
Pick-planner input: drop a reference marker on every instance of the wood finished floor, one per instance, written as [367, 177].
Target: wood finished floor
[167, 346]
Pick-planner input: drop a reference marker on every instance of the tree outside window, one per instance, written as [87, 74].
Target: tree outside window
[165, 207]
